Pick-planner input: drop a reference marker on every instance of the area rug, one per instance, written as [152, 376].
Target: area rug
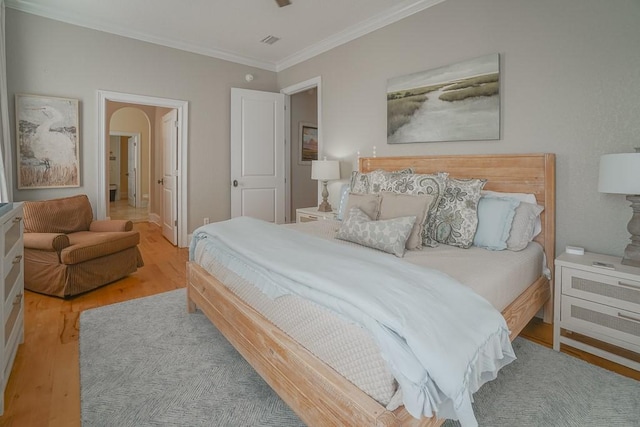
[147, 362]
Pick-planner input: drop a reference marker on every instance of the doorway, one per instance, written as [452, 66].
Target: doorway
[301, 189]
[106, 101]
[124, 178]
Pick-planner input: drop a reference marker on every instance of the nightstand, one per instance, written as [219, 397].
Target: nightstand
[313, 214]
[597, 309]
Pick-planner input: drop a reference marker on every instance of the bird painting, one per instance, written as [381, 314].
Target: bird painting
[48, 142]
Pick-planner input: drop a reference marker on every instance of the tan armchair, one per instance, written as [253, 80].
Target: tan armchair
[67, 253]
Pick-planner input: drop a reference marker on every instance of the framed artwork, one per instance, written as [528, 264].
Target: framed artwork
[458, 102]
[47, 142]
[308, 143]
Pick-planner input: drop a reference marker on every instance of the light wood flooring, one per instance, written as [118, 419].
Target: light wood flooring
[44, 387]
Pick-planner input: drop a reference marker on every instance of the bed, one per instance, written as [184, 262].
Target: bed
[312, 388]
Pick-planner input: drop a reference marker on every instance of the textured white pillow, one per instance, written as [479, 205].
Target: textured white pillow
[389, 235]
[523, 225]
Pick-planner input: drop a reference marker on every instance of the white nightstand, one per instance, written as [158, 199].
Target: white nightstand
[312, 214]
[598, 304]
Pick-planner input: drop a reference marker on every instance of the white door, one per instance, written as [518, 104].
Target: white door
[169, 176]
[132, 178]
[257, 155]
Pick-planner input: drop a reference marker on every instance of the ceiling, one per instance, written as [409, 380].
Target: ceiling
[233, 29]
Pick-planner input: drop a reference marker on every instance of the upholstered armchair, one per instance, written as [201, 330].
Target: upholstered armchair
[67, 253]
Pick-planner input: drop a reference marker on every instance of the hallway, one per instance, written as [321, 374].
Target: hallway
[121, 210]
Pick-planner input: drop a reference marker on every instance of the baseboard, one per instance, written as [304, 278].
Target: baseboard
[154, 218]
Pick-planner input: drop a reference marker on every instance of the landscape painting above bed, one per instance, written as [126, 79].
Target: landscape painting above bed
[457, 102]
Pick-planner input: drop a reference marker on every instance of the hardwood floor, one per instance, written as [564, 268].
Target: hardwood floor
[44, 387]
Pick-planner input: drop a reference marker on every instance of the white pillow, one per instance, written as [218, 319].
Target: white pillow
[523, 197]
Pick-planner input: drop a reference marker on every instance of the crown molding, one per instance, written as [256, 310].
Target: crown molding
[74, 19]
[401, 11]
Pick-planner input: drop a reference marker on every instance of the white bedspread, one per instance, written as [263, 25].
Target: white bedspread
[442, 341]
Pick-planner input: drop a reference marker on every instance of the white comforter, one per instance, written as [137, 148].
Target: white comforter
[441, 340]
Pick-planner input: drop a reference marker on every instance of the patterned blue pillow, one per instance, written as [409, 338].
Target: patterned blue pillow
[387, 235]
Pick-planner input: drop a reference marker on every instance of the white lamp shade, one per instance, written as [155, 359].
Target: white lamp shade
[620, 173]
[324, 170]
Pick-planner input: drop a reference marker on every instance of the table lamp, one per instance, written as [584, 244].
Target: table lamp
[620, 174]
[325, 170]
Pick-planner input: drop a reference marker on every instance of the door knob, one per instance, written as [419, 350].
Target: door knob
[235, 182]
[161, 181]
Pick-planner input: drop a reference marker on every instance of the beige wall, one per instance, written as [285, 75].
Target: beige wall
[52, 58]
[570, 73]
[304, 190]
[569, 68]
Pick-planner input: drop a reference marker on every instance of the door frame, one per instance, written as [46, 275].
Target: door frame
[315, 82]
[182, 108]
[137, 136]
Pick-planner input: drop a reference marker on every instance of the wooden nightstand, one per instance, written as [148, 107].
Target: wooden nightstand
[312, 214]
[597, 309]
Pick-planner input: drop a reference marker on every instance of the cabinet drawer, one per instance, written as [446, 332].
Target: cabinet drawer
[12, 233]
[602, 288]
[11, 279]
[608, 324]
[308, 218]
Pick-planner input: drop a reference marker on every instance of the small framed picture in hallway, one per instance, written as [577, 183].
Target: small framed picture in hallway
[457, 102]
[308, 143]
[47, 142]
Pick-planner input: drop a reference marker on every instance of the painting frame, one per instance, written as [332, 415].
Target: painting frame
[307, 143]
[455, 102]
[47, 142]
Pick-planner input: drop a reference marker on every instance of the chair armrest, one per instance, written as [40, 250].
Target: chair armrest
[111, 225]
[46, 241]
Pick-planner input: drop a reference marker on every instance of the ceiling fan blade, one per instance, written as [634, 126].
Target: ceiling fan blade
[283, 3]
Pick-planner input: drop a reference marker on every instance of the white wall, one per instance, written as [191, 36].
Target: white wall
[47, 57]
[570, 84]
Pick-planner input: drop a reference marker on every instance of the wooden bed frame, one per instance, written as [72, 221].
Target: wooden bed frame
[317, 393]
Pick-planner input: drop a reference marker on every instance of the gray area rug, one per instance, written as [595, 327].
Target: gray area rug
[147, 362]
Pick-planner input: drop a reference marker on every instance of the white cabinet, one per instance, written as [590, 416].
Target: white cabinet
[601, 304]
[12, 268]
[313, 214]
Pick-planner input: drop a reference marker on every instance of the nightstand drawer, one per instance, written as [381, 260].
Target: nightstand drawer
[602, 288]
[608, 324]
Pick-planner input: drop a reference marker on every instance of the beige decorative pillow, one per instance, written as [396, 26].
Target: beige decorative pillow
[394, 205]
[368, 203]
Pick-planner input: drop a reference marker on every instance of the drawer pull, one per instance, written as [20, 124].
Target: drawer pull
[17, 259]
[628, 285]
[18, 299]
[17, 219]
[627, 317]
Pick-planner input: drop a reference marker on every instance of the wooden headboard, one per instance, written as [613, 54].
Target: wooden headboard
[512, 173]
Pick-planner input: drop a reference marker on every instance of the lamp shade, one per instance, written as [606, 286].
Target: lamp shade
[620, 173]
[324, 170]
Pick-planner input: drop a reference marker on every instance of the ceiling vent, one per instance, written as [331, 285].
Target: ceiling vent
[270, 39]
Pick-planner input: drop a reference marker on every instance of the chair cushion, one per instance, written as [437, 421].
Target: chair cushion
[86, 245]
[65, 215]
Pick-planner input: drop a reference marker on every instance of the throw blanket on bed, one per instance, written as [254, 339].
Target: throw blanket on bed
[442, 341]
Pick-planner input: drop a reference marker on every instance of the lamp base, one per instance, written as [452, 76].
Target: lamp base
[324, 207]
[632, 251]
